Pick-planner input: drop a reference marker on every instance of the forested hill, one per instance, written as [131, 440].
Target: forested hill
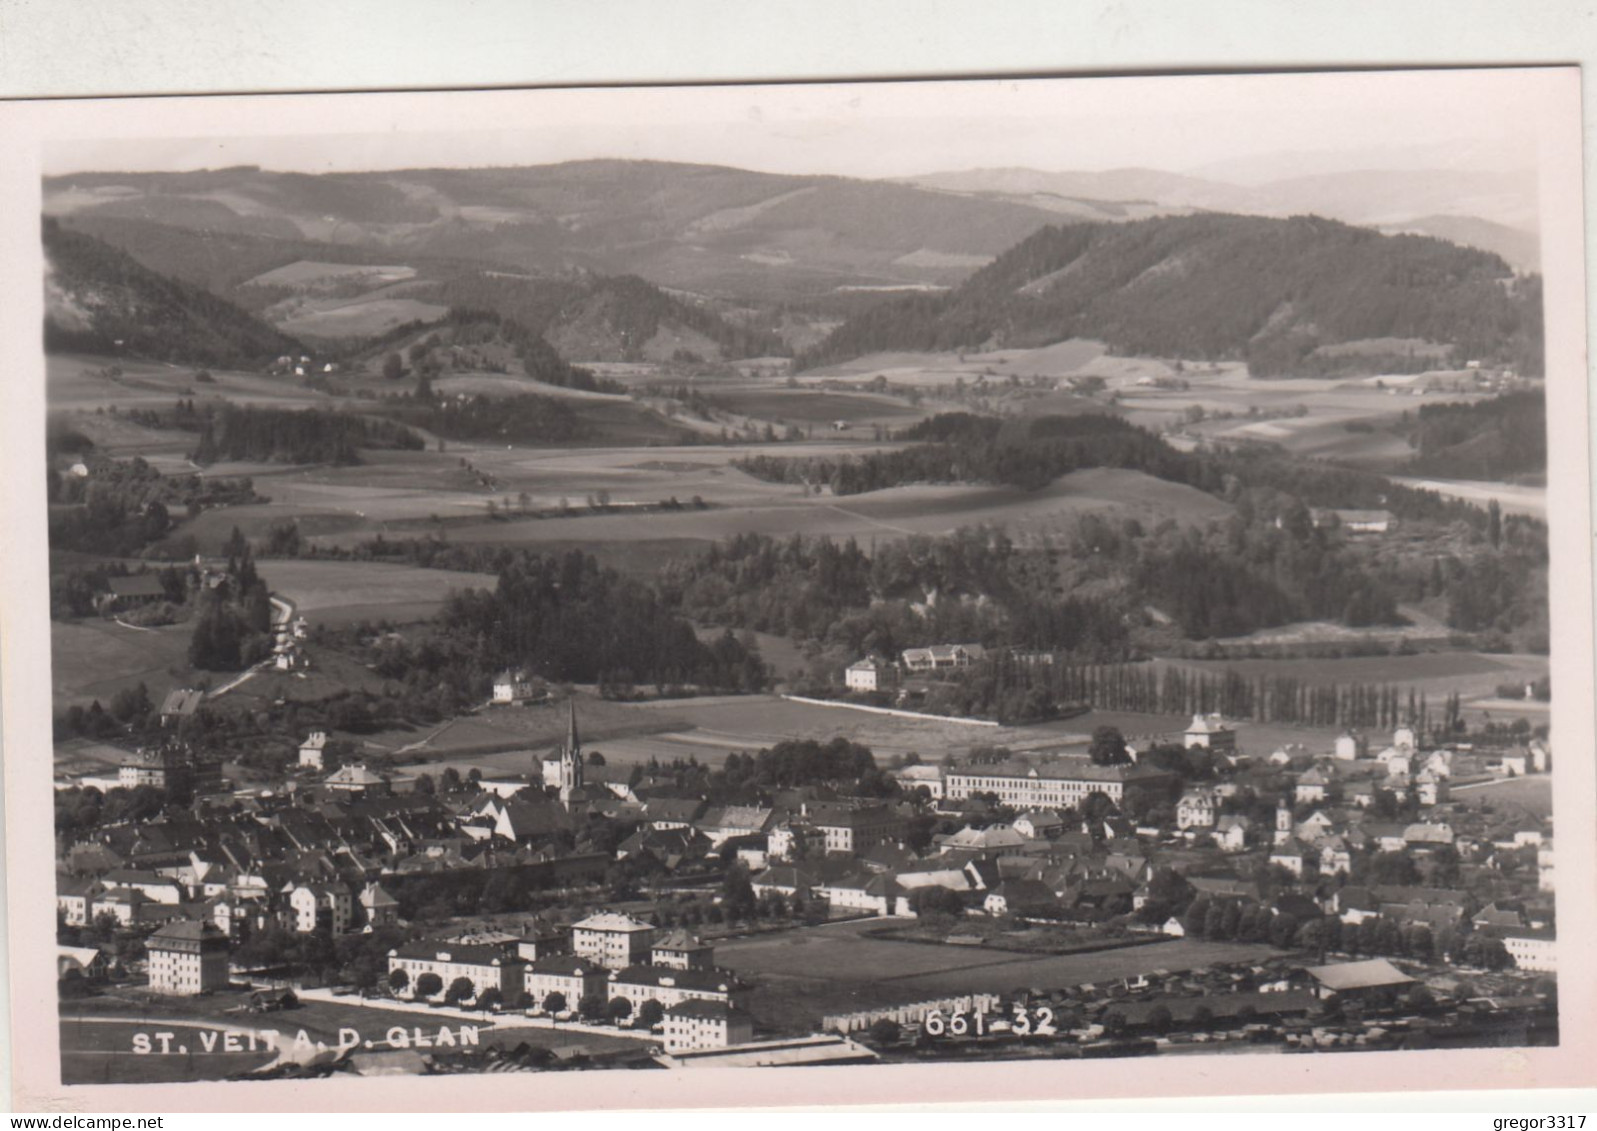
[608, 318]
[1286, 296]
[100, 299]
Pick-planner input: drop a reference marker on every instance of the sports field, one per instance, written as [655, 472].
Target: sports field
[805, 973]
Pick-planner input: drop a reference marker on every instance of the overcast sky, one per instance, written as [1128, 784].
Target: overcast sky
[1211, 125]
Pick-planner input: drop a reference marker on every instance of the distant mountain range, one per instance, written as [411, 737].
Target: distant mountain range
[633, 260]
[697, 228]
[1495, 210]
[1297, 297]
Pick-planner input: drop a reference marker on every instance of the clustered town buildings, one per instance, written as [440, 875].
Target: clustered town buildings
[1047, 836]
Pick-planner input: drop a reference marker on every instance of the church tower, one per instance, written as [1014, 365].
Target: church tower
[1283, 822]
[571, 760]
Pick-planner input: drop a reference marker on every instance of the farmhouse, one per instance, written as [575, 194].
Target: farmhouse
[134, 591]
[180, 704]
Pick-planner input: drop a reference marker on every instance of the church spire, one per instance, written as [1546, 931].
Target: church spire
[571, 759]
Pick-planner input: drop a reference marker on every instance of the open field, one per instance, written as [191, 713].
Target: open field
[334, 592]
[311, 273]
[94, 659]
[1513, 498]
[862, 972]
[498, 740]
[363, 317]
[1532, 794]
[1236, 406]
[810, 406]
[892, 512]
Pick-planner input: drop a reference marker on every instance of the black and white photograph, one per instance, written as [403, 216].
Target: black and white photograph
[867, 576]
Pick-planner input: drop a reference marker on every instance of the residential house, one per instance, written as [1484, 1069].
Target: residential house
[86, 962]
[355, 780]
[1231, 832]
[1291, 856]
[377, 907]
[1038, 824]
[880, 894]
[1352, 745]
[328, 907]
[870, 674]
[72, 899]
[680, 950]
[313, 751]
[1312, 786]
[513, 685]
[1428, 833]
[1335, 856]
[1211, 733]
[723, 823]
[1022, 897]
[1196, 809]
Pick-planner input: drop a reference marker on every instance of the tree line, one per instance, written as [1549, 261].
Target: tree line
[248, 432]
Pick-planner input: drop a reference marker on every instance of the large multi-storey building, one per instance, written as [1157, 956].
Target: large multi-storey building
[1054, 784]
[851, 828]
[187, 957]
[669, 987]
[613, 941]
[571, 977]
[485, 966]
[706, 1025]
